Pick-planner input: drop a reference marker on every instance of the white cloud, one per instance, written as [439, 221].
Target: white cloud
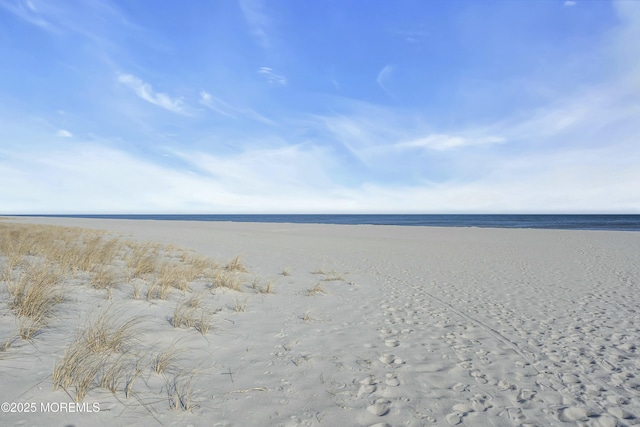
[570, 3]
[272, 77]
[216, 104]
[383, 76]
[302, 179]
[28, 12]
[286, 169]
[64, 133]
[221, 107]
[65, 179]
[443, 142]
[146, 92]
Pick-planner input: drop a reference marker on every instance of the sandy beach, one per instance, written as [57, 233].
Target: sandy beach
[346, 326]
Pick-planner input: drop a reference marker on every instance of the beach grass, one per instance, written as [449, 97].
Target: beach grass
[318, 289]
[45, 267]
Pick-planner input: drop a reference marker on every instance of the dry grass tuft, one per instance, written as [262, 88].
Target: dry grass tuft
[8, 343]
[156, 292]
[165, 359]
[112, 371]
[29, 328]
[236, 265]
[137, 290]
[187, 316]
[268, 287]
[98, 357]
[226, 279]
[239, 307]
[307, 316]
[106, 334]
[175, 276]
[36, 292]
[316, 290]
[13, 261]
[183, 317]
[142, 260]
[131, 375]
[197, 266]
[195, 300]
[180, 392]
[78, 368]
[103, 278]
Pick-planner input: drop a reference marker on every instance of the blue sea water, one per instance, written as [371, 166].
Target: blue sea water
[556, 221]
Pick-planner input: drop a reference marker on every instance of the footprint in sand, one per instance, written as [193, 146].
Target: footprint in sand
[515, 414]
[504, 385]
[575, 413]
[459, 387]
[478, 376]
[481, 402]
[525, 395]
[391, 360]
[366, 389]
[392, 343]
[392, 380]
[454, 418]
[463, 408]
[380, 407]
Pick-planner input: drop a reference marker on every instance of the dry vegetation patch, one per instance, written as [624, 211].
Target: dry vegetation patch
[43, 268]
[316, 290]
[188, 316]
[236, 265]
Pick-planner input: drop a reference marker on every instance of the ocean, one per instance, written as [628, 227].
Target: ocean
[555, 221]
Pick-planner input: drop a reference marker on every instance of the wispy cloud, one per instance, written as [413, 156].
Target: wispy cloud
[254, 12]
[28, 12]
[443, 142]
[570, 3]
[146, 92]
[221, 107]
[272, 78]
[64, 133]
[217, 105]
[383, 77]
[304, 179]
[99, 21]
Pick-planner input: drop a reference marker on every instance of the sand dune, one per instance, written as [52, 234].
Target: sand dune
[361, 326]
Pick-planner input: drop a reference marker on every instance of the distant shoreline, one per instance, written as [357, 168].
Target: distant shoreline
[608, 222]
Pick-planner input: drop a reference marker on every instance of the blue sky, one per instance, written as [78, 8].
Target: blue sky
[319, 106]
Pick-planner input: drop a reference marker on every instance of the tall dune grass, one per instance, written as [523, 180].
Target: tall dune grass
[42, 267]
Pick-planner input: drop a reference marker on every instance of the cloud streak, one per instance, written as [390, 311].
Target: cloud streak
[303, 179]
[28, 12]
[146, 92]
[272, 78]
[383, 78]
[224, 108]
[443, 142]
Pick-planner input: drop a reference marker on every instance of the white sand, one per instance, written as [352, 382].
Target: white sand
[428, 326]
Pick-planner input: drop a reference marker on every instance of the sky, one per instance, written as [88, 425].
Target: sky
[320, 106]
